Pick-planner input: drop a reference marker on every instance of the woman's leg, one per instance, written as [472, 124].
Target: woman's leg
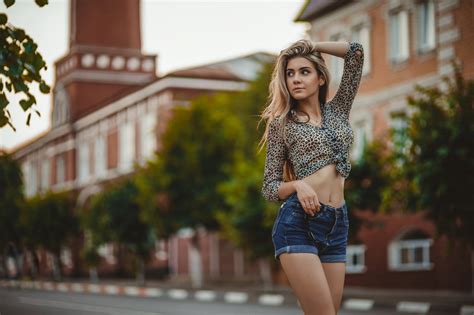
[306, 276]
[335, 273]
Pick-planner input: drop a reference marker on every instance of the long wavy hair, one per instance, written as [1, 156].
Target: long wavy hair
[280, 102]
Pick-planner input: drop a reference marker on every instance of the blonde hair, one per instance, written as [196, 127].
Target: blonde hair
[280, 102]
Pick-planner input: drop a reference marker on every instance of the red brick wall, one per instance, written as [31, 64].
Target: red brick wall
[463, 18]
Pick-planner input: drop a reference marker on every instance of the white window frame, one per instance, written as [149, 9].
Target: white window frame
[147, 136]
[29, 178]
[126, 146]
[359, 252]
[399, 35]
[395, 123]
[361, 34]
[361, 138]
[337, 64]
[395, 255]
[425, 26]
[100, 155]
[83, 162]
[45, 173]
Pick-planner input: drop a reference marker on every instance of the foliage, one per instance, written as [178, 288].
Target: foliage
[248, 225]
[199, 146]
[48, 221]
[114, 216]
[11, 199]
[440, 154]
[20, 65]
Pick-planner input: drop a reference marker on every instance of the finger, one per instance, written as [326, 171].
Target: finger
[308, 208]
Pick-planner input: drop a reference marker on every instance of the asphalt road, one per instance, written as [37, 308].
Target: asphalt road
[31, 302]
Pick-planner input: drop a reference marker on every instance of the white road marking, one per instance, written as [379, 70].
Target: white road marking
[358, 304]
[236, 297]
[178, 294]
[271, 299]
[205, 295]
[413, 307]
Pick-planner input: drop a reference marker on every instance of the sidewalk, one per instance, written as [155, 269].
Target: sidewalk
[354, 298]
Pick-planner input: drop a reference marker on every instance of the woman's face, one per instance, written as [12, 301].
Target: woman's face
[302, 79]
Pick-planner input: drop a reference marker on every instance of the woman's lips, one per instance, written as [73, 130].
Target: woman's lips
[297, 89]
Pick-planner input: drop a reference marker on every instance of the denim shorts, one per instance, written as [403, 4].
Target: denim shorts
[324, 234]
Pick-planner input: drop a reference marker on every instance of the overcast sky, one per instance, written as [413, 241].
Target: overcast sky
[182, 34]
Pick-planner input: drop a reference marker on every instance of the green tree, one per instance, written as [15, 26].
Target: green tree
[440, 155]
[48, 222]
[11, 199]
[114, 216]
[199, 146]
[20, 65]
[249, 222]
[368, 182]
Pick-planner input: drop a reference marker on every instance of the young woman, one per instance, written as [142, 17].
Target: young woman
[307, 160]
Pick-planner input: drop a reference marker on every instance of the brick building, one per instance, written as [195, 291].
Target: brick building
[405, 43]
[109, 110]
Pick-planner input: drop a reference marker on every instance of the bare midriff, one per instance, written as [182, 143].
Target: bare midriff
[328, 185]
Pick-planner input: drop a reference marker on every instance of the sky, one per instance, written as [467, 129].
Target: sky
[183, 33]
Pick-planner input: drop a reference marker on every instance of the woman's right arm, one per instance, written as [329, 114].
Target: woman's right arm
[274, 189]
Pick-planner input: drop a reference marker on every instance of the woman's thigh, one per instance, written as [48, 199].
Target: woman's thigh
[308, 280]
[335, 273]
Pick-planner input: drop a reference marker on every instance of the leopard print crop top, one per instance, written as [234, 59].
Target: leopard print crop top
[309, 147]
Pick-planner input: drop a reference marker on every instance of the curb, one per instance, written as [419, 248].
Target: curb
[233, 297]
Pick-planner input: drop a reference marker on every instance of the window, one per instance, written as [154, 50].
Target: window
[337, 64]
[399, 36]
[60, 107]
[45, 173]
[100, 155]
[60, 169]
[147, 136]
[411, 252]
[398, 129]
[361, 34]
[425, 30]
[360, 139]
[30, 177]
[126, 146]
[355, 259]
[83, 159]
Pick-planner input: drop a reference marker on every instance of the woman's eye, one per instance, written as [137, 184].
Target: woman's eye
[305, 71]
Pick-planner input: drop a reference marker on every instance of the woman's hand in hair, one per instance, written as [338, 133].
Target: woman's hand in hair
[307, 197]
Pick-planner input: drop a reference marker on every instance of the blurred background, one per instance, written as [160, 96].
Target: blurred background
[131, 165]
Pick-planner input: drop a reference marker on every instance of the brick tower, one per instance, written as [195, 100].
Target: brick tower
[104, 59]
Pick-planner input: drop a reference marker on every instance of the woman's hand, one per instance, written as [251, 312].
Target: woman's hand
[307, 197]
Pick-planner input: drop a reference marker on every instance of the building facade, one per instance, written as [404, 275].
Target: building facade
[405, 43]
[109, 111]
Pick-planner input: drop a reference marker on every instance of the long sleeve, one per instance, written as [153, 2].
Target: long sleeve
[351, 76]
[275, 159]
